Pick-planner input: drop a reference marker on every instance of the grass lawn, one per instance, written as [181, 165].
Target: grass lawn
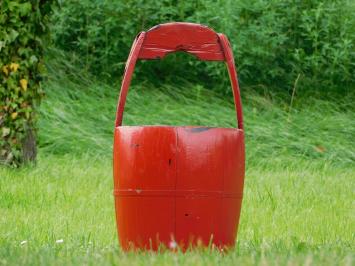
[293, 215]
[299, 192]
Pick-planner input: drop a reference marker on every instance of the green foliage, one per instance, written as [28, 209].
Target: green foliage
[274, 41]
[78, 117]
[22, 31]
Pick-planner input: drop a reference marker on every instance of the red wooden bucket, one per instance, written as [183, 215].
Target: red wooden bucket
[178, 186]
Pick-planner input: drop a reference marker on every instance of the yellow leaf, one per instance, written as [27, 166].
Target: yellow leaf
[14, 67]
[5, 70]
[23, 83]
[14, 115]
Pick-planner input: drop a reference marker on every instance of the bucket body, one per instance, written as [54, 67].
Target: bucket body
[177, 186]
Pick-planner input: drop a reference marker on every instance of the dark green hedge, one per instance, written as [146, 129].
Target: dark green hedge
[274, 41]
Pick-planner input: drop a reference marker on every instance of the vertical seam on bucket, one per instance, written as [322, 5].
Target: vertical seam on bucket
[176, 176]
[222, 200]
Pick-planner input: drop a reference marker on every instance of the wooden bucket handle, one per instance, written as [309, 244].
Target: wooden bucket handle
[192, 38]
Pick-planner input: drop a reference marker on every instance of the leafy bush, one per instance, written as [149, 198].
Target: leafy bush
[274, 41]
[22, 29]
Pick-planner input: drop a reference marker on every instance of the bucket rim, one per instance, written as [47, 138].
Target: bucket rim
[185, 127]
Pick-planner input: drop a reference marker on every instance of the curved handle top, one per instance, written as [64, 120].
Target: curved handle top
[192, 38]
